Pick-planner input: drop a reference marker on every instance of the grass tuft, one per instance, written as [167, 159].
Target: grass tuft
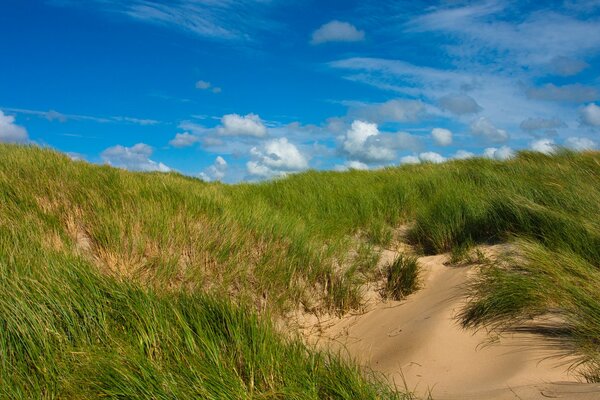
[402, 277]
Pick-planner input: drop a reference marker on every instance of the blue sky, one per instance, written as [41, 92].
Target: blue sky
[255, 89]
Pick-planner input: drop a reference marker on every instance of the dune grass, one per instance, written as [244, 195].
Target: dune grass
[402, 277]
[69, 332]
[117, 283]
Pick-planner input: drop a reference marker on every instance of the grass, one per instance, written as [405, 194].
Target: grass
[402, 277]
[113, 282]
[554, 293]
[69, 332]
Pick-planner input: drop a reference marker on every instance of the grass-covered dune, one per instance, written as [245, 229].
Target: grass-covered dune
[151, 285]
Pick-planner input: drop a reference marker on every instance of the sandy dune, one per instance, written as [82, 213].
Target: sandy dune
[419, 342]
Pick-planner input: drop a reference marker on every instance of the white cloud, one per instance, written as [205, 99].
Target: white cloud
[459, 104]
[590, 115]
[184, 139]
[410, 160]
[52, 115]
[431, 157]
[500, 94]
[276, 157]
[362, 142]
[337, 31]
[546, 146]
[398, 110]
[352, 165]
[425, 157]
[213, 19]
[580, 144]
[135, 158]
[75, 156]
[257, 169]
[216, 171]
[483, 127]
[501, 154]
[575, 93]
[10, 132]
[442, 137]
[237, 125]
[203, 85]
[463, 155]
[536, 38]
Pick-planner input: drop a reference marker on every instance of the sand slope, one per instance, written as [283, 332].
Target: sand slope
[419, 342]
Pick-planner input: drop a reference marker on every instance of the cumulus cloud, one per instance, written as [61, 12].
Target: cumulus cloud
[10, 132]
[410, 160]
[590, 115]
[363, 142]
[459, 104]
[546, 146]
[566, 66]
[431, 157]
[337, 31]
[216, 171]
[135, 158]
[580, 144]
[442, 137]
[501, 154]
[426, 157]
[398, 110]
[483, 127]
[276, 157]
[532, 125]
[463, 155]
[575, 93]
[348, 165]
[184, 139]
[238, 125]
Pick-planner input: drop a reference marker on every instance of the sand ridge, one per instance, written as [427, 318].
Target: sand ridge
[420, 344]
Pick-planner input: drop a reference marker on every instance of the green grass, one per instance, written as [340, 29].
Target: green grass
[70, 332]
[113, 282]
[555, 293]
[402, 277]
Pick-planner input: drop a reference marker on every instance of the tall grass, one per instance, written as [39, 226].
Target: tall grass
[69, 332]
[109, 277]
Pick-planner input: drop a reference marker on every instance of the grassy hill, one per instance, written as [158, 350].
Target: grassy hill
[151, 285]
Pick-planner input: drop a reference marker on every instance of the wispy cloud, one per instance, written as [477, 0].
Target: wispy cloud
[52, 115]
[490, 30]
[214, 19]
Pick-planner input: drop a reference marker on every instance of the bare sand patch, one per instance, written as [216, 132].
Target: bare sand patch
[418, 342]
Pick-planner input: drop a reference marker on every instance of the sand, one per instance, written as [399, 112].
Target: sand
[419, 344]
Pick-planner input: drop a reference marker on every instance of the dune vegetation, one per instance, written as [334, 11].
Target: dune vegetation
[158, 285]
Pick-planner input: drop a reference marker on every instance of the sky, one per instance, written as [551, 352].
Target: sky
[250, 90]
